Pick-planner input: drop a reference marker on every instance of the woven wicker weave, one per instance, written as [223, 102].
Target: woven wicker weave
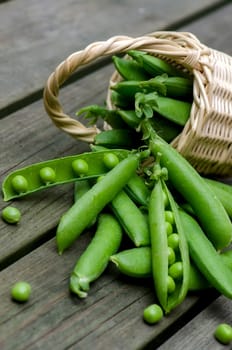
[206, 140]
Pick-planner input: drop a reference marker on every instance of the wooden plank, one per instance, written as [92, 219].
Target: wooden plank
[110, 316]
[199, 333]
[214, 30]
[36, 36]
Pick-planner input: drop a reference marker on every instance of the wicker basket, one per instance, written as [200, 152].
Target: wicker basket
[206, 140]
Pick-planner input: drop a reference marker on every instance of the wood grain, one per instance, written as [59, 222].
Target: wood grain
[36, 36]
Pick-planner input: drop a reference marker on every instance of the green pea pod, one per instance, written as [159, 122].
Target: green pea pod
[63, 170]
[117, 138]
[104, 243]
[205, 256]
[136, 262]
[159, 245]
[129, 69]
[120, 101]
[131, 218]
[130, 117]
[174, 110]
[85, 210]
[129, 88]
[187, 181]
[165, 128]
[137, 190]
[176, 87]
[155, 65]
[223, 192]
[80, 188]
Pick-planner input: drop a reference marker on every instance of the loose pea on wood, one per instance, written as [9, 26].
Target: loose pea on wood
[11, 215]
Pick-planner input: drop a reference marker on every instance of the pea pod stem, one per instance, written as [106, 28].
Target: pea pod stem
[85, 210]
[206, 258]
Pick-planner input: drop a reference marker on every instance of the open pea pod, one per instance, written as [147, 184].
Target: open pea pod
[170, 275]
[42, 175]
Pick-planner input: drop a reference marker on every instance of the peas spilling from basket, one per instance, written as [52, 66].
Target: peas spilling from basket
[134, 185]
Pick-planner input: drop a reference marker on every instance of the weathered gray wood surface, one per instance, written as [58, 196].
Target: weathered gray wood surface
[111, 315]
[35, 36]
[199, 333]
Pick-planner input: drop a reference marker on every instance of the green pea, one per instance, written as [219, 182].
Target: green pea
[165, 199]
[19, 183]
[176, 270]
[169, 228]
[47, 175]
[169, 216]
[171, 285]
[171, 256]
[110, 160]
[173, 241]
[152, 314]
[11, 215]
[21, 291]
[80, 167]
[223, 333]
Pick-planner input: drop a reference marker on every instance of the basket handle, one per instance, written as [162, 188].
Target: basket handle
[184, 48]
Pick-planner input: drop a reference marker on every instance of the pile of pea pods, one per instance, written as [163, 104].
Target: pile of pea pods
[132, 183]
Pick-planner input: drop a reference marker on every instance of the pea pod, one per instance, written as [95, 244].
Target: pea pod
[206, 258]
[104, 243]
[80, 188]
[129, 88]
[137, 190]
[223, 192]
[188, 182]
[131, 218]
[120, 101]
[174, 110]
[117, 138]
[154, 65]
[165, 128]
[161, 271]
[63, 169]
[85, 210]
[129, 69]
[136, 262]
[130, 117]
[175, 87]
